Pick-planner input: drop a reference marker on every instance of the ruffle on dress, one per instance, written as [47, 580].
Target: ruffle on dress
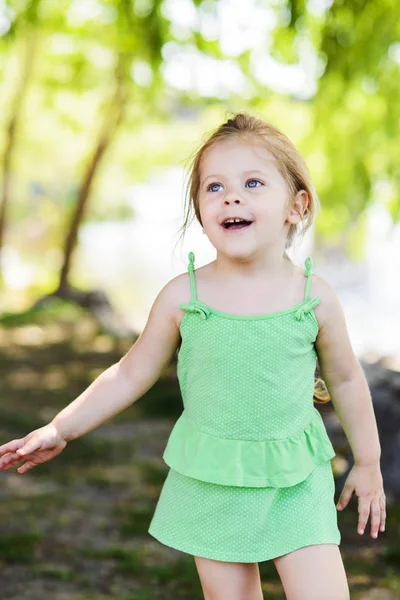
[250, 463]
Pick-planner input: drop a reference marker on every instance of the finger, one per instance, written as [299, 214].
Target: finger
[26, 466]
[382, 503]
[9, 459]
[363, 514]
[345, 496]
[29, 447]
[4, 459]
[375, 517]
[11, 446]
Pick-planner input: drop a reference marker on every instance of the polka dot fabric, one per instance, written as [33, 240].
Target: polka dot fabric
[250, 474]
[245, 524]
[270, 363]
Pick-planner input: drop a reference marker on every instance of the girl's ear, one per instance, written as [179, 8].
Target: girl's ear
[298, 207]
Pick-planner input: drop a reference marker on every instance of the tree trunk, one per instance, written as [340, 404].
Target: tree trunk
[11, 129]
[98, 304]
[111, 122]
[95, 300]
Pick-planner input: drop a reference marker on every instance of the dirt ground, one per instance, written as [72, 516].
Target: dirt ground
[76, 528]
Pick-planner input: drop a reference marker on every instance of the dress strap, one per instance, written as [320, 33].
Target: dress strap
[307, 305]
[194, 305]
[308, 273]
[191, 268]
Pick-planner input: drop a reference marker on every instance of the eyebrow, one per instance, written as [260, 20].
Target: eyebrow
[244, 173]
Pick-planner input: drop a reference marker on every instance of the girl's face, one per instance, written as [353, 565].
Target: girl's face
[239, 178]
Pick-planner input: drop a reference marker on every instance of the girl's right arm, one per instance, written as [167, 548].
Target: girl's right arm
[114, 390]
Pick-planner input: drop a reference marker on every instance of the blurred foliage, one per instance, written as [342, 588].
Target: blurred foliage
[355, 110]
[347, 128]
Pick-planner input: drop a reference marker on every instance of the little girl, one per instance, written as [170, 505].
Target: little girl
[250, 475]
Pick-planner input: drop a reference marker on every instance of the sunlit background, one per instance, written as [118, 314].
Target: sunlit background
[132, 256]
[126, 239]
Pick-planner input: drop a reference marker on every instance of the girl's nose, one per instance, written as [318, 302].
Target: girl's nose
[233, 200]
[232, 196]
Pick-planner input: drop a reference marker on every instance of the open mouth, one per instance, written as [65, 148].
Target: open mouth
[232, 224]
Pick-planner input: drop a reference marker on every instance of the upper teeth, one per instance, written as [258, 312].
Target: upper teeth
[236, 220]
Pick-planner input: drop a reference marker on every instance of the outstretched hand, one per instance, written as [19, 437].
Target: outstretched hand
[367, 483]
[39, 446]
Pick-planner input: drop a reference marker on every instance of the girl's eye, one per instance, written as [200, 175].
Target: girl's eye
[252, 180]
[209, 188]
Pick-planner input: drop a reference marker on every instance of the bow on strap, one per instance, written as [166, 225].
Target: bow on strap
[308, 265]
[202, 310]
[306, 308]
[191, 262]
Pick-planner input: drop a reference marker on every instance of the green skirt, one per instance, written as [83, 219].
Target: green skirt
[245, 524]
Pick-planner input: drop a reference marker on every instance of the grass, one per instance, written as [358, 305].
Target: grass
[80, 521]
[19, 547]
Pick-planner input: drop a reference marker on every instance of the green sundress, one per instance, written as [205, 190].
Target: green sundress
[250, 475]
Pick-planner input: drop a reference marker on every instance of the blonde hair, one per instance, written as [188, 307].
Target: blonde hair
[289, 163]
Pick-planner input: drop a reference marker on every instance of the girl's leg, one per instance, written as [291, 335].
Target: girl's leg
[221, 580]
[313, 572]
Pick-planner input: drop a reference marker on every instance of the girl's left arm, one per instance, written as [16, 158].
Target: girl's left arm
[351, 398]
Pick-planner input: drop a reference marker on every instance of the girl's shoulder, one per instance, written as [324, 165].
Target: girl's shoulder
[178, 291]
[330, 306]
[337, 360]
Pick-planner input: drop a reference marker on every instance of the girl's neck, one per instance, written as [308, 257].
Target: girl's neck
[267, 264]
